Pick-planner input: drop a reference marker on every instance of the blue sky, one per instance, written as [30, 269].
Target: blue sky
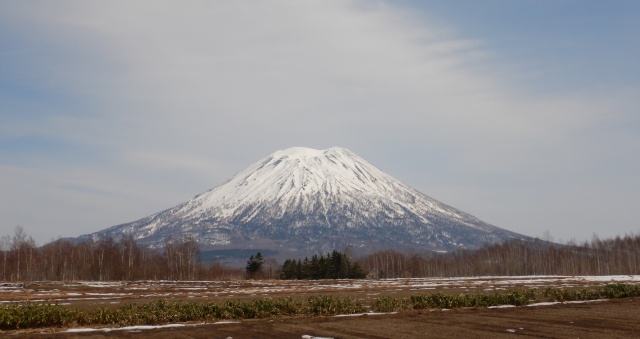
[582, 44]
[522, 113]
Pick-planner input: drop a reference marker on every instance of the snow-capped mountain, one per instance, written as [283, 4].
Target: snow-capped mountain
[311, 201]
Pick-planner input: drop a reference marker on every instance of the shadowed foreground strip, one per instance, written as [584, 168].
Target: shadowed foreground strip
[605, 319]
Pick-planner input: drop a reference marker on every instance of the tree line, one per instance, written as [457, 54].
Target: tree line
[123, 259]
[105, 259]
[617, 256]
[336, 265]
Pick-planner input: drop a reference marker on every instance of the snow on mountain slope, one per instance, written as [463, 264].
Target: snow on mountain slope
[288, 178]
[309, 200]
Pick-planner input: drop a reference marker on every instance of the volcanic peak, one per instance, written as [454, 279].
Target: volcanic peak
[310, 201]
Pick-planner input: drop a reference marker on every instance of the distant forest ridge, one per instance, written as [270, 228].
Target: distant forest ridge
[181, 259]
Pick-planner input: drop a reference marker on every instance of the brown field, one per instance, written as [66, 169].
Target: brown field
[600, 319]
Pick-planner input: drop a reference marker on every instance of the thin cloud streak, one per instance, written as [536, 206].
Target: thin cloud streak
[173, 99]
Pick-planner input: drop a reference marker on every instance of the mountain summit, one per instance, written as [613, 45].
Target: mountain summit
[308, 201]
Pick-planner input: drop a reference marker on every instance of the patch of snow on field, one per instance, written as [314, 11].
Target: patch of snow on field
[544, 303]
[610, 278]
[549, 303]
[127, 328]
[584, 301]
[100, 283]
[306, 336]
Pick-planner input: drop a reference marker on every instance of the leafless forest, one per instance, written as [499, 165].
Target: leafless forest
[123, 259]
[620, 255]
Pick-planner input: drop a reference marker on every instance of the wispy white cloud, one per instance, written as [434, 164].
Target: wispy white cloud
[173, 96]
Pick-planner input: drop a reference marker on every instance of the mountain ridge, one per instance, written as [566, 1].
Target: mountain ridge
[308, 201]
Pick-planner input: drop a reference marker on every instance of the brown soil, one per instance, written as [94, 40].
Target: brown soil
[603, 319]
[606, 319]
[90, 295]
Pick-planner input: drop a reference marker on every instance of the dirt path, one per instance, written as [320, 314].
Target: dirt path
[604, 319]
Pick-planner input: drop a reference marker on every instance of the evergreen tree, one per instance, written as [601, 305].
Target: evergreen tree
[254, 264]
[336, 265]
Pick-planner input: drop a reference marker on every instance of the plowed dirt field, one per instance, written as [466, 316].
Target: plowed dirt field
[596, 319]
